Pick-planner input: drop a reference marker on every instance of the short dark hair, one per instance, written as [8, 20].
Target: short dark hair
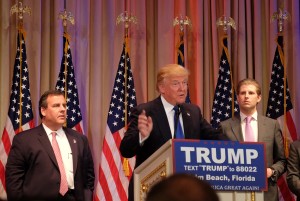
[182, 187]
[43, 100]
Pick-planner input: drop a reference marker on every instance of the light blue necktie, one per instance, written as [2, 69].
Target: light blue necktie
[178, 132]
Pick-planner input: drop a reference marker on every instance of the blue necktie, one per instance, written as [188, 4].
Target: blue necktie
[178, 132]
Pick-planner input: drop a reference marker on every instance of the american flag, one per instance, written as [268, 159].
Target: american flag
[114, 173]
[180, 60]
[275, 109]
[223, 105]
[20, 116]
[66, 82]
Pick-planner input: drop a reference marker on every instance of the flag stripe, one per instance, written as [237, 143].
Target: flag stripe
[222, 108]
[113, 183]
[276, 110]
[291, 126]
[6, 141]
[20, 116]
[114, 169]
[66, 82]
[284, 190]
[103, 182]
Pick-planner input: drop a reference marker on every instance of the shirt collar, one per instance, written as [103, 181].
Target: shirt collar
[168, 107]
[49, 131]
[243, 116]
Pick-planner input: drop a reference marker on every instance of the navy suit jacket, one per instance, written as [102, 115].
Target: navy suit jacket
[195, 127]
[32, 171]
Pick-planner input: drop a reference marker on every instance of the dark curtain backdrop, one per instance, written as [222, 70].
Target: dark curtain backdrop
[96, 45]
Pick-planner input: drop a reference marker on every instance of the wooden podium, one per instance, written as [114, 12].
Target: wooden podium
[160, 164]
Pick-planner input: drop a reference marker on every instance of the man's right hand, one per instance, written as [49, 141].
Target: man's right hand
[145, 125]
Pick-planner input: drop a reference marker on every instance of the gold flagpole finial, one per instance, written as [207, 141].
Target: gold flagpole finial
[180, 21]
[20, 10]
[225, 22]
[280, 16]
[66, 16]
[127, 19]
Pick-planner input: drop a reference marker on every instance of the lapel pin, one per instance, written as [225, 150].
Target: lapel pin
[74, 141]
[188, 114]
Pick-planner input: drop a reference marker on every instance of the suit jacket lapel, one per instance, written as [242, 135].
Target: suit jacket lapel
[74, 147]
[236, 129]
[160, 114]
[261, 128]
[45, 142]
[187, 122]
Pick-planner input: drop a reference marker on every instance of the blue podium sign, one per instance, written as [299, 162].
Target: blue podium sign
[226, 165]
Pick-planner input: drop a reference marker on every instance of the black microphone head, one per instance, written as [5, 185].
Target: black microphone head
[179, 108]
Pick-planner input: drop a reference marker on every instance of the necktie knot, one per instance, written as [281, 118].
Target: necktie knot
[53, 134]
[178, 132]
[176, 108]
[248, 119]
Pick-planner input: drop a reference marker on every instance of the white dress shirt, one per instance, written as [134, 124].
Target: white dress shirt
[170, 115]
[65, 151]
[254, 124]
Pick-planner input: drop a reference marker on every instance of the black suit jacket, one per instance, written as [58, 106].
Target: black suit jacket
[195, 127]
[32, 171]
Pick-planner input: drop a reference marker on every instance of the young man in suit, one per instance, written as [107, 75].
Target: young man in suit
[263, 129]
[153, 123]
[50, 162]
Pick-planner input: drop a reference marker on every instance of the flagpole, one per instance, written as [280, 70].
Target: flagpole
[280, 16]
[181, 22]
[126, 18]
[227, 22]
[66, 16]
[20, 10]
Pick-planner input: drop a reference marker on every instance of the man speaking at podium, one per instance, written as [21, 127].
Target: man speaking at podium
[164, 118]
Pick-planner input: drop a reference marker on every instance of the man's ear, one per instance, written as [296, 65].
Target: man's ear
[259, 98]
[43, 111]
[161, 88]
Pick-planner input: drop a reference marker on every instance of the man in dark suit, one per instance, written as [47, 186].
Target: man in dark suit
[293, 169]
[37, 170]
[153, 123]
[264, 130]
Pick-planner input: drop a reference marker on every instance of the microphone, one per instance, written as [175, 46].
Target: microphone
[178, 111]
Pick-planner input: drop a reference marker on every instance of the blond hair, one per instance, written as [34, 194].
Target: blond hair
[170, 70]
[249, 81]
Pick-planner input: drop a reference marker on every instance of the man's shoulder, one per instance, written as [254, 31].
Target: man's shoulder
[72, 132]
[230, 121]
[148, 105]
[29, 133]
[266, 119]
